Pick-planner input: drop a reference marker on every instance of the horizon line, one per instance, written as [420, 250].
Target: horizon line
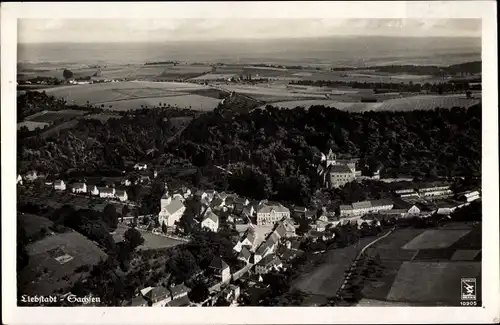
[255, 39]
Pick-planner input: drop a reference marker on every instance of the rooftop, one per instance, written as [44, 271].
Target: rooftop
[218, 264]
[174, 206]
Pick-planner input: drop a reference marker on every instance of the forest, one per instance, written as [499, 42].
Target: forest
[466, 68]
[270, 153]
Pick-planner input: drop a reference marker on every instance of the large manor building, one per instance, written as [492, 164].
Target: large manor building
[336, 172]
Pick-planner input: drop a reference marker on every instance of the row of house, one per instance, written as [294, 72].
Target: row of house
[365, 207]
[102, 192]
[424, 191]
[161, 296]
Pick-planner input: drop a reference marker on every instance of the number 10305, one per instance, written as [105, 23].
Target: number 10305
[468, 303]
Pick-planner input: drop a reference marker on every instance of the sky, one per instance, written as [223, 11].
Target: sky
[156, 30]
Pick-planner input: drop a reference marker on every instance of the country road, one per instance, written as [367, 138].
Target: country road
[355, 262]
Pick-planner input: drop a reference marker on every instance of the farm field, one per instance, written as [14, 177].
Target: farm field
[425, 266]
[326, 278]
[132, 94]
[51, 116]
[420, 102]
[195, 102]
[434, 239]
[54, 262]
[436, 282]
[151, 241]
[31, 125]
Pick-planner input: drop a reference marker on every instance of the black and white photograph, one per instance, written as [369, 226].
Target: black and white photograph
[246, 161]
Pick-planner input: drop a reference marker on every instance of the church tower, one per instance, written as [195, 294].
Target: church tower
[331, 158]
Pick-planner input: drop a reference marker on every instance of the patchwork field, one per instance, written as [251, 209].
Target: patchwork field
[55, 261]
[425, 266]
[420, 102]
[129, 95]
[326, 278]
[103, 117]
[151, 241]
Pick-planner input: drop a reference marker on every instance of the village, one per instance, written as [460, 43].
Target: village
[269, 231]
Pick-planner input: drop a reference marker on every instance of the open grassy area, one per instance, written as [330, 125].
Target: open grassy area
[432, 282]
[434, 239]
[151, 241]
[419, 102]
[33, 224]
[54, 263]
[425, 266]
[326, 278]
[51, 116]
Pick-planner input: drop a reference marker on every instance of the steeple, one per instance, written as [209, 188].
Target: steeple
[331, 158]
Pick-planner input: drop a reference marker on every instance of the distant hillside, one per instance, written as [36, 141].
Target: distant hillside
[467, 67]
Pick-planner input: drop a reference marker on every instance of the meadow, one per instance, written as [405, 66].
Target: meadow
[47, 274]
[419, 102]
[129, 95]
[151, 241]
[425, 266]
[51, 116]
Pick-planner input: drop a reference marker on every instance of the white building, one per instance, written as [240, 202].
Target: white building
[249, 240]
[19, 180]
[93, 190]
[470, 196]
[107, 192]
[121, 195]
[79, 188]
[435, 191]
[59, 185]
[140, 166]
[365, 207]
[269, 213]
[210, 221]
[31, 176]
[171, 211]
[221, 269]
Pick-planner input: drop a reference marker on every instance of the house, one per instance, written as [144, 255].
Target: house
[430, 191]
[140, 166]
[261, 252]
[300, 211]
[210, 221]
[248, 239]
[143, 179]
[178, 291]
[157, 296]
[245, 255]
[93, 190]
[446, 207]
[248, 211]
[469, 196]
[320, 226]
[121, 195]
[241, 201]
[201, 195]
[138, 301]
[126, 182]
[59, 185]
[364, 207]
[210, 195]
[180, 302]
[222, 196]
[171, 212]
[221, 269]
[31, 176]
[79, 188]
[279, 230]
[271, 212]
[19, 180]
[107, 192]
[267, 264]
[410, 209]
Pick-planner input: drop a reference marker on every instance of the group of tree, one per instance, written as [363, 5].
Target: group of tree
[473, 67]
[449, 86]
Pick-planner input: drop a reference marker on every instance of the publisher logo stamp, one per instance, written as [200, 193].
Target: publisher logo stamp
[468, 289]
